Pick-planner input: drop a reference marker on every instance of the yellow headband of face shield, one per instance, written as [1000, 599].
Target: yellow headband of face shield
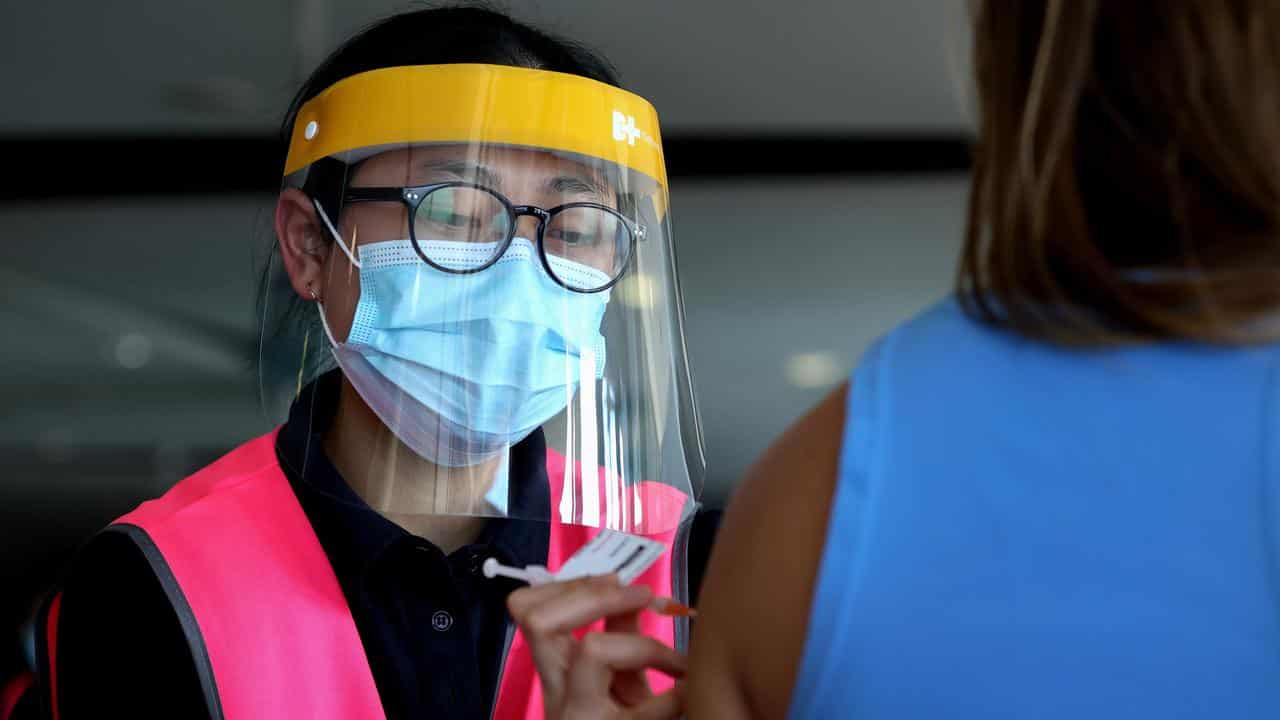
[483, 104]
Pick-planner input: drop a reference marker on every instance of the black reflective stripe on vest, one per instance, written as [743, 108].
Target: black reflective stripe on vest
[187, 618]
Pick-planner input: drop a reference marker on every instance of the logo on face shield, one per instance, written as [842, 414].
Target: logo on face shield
[624, 128]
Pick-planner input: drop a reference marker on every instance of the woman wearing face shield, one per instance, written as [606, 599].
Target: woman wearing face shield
[472, 327]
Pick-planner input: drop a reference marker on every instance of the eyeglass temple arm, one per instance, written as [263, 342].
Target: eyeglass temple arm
[359, 194]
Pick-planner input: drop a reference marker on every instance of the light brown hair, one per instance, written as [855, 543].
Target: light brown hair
[1126, 181]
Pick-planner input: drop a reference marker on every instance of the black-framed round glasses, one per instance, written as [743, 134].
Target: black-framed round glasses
[462, 227]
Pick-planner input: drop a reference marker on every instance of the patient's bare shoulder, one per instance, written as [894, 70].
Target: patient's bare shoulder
[754, 603]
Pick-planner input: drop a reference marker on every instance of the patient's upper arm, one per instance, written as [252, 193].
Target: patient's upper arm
[754, 604]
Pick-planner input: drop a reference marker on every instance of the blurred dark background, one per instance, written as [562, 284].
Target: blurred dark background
[817, 152]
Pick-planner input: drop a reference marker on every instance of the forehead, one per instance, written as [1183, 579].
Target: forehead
[500, 165]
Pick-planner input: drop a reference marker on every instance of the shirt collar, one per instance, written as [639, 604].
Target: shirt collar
[355, 535]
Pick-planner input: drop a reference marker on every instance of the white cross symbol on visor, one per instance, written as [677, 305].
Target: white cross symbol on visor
[624, 128]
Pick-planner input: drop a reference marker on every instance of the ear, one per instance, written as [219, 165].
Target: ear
[304, 248]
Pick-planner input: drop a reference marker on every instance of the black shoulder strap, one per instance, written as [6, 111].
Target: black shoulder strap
[47, 623]
[46, 629]
[187, 617]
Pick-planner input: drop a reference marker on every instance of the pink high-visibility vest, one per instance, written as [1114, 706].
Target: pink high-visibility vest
[11, 693]
[266, 620]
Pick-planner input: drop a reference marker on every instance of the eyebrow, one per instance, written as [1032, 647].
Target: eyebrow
[565, 184]
[473, 172]
[481, 174]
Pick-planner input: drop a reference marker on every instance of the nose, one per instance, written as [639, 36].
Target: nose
[527, 227]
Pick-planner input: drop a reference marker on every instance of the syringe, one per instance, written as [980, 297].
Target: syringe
[539, 575]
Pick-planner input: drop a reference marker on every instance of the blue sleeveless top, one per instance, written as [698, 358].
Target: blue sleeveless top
[1023, 531]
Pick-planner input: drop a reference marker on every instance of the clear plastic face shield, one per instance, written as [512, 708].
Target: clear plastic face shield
[499, 297]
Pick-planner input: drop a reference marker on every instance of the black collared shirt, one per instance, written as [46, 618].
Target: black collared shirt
[434, 629]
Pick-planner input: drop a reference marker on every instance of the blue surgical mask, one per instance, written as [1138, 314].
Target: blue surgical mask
[461, 366]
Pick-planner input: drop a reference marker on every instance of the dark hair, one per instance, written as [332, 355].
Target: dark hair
[433, 36]
[456, 34]
[1127, 178]
[443, 36]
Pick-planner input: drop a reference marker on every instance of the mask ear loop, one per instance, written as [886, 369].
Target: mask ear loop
[324, 321]
[333, 231]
